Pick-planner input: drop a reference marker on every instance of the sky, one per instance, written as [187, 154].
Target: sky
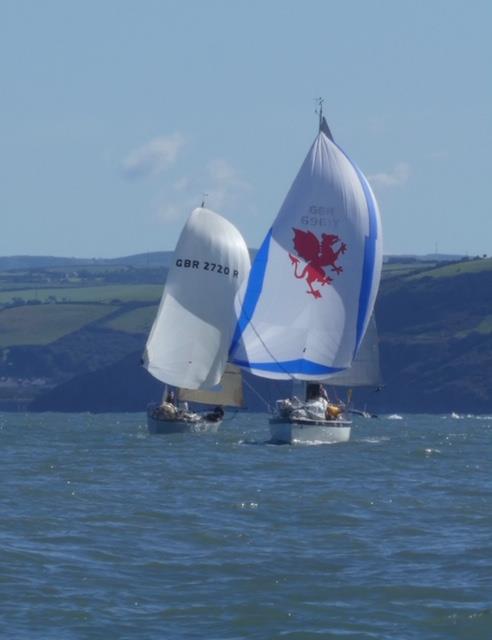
[116, 116]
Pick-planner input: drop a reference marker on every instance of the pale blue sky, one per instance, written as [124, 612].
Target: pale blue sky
[116, 115]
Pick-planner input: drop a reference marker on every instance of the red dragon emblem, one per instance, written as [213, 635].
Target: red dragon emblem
[317, 255]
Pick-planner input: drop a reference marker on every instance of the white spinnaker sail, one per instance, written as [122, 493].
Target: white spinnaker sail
[311, 290]
[190, 338]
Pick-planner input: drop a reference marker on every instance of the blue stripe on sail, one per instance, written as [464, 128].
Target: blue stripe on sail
[291, 367]
[253, 291]
[369, 261]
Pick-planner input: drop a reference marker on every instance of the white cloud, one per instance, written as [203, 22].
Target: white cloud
[397, 177]
[220, 185]
[223, 173]
[170, 211]
[225, 185]
[154, 157]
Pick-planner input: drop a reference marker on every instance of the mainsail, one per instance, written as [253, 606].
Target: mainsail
[365, 369]
[190, 338]
[228, 392]
[306, 306]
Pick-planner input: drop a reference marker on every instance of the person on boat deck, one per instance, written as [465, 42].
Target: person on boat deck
[170, 398]
[315, 391]
[316, 399]
[216, 415]
[319, 403]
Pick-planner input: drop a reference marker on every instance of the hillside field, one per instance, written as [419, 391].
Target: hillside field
[72, 339]
[45, 323]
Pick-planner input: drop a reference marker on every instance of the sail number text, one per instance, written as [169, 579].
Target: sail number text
[206, 266]
[320, 216]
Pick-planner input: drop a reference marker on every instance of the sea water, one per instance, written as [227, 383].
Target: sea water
[109, 532]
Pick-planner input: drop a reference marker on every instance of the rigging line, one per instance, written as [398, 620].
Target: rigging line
[280, 366]
[320, 112]
[251, 388]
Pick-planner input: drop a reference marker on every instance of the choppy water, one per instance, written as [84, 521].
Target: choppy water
[107, 532]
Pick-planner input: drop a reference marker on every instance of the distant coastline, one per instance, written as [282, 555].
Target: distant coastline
[72, 332]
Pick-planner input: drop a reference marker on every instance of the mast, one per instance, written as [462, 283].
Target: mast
[320, 113]
[323, 125]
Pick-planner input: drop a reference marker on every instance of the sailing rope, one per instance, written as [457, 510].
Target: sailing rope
[258, 395]
[287, 373]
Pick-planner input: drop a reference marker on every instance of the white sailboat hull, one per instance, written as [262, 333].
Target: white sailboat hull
[308, 431]
[297, 422]
[192, 424]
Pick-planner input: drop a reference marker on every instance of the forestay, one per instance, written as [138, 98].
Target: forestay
[311, 291]
[190, 338]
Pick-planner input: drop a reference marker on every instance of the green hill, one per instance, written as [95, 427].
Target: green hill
[436, 343]
[44, 324]
[72, 339]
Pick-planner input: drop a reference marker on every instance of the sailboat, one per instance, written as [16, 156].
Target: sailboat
[324, 407]
[304, 310]
[187, 347]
